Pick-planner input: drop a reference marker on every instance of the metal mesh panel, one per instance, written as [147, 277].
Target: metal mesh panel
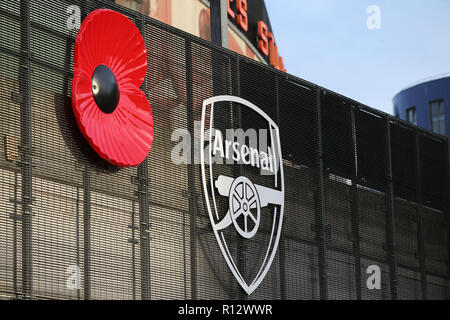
[404, 162]
[10, 278]
[371, 149]
[256, 82]
[338, 149]
[433, 160]
[301, 270]
[435, 227]
[406, 229]
[170, 263]
[144, 233]
[409, 285]
[341, 276]
[300, 97]
[438, 288]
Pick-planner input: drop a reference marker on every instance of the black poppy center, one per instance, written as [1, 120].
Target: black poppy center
[105, 89]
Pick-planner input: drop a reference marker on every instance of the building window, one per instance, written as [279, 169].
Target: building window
[437, 116]
[411, 115]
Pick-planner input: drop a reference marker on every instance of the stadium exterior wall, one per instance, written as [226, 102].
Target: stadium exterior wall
[362, 188]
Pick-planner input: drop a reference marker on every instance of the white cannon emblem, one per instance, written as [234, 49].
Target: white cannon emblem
[246, 199]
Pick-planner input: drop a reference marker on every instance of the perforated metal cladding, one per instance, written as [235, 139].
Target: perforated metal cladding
[371, 149]
[90, 215]
[338, 149]
[298, 118]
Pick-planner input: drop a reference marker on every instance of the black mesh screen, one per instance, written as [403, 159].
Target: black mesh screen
[298, 115]
[338, 149]
[404, 162]
[145, 233]
[371, 147]
[433, 159]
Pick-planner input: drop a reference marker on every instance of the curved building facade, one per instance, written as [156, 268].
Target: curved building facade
[426, 104]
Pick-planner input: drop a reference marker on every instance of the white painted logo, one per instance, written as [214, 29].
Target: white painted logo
[233, 200]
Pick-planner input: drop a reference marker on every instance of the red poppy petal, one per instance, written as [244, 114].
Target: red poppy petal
[113, 144]
[140, 141]
[133, 72]
[135, 152]
[141, 116]
[120, 152]
[125, 136]
[137, 125]
[110, 38]
[81, 86]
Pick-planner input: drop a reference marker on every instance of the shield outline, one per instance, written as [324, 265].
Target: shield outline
[249, 289]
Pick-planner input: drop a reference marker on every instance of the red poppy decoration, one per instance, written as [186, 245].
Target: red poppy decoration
[112, 112]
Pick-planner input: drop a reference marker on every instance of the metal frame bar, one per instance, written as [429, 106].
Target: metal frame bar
[219, 22]
[133, 246]
[390, 216]
[447, 214]
[87, 231]
[419, 208]
[355, 211]
[15, 218]
[144, 228]
[86, 210]
[26, 149]
[238, 171]
[77, 223]
[320, 228]
[191, 172]
[144, 210]
[447, 211]
[281, 248]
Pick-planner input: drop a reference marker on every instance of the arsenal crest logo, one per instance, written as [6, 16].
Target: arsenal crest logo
[243, 184]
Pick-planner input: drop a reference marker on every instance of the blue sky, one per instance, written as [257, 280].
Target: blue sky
[328, 43]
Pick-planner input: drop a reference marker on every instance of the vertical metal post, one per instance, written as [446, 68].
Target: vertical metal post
[356, 237]
[390, 215]
[133, 247]
[447, 215]
[282, 261]
[355, 213]
[86, 210]
[15, 216]
[144, 212]
[447, 210]
[77, 219]
[144, 228]
[184, 257]
[191, 172]
[87, 231]
[219, 22]
[26, 149]
[420, 233]
[281, 249]
[320, 226]
[238, 171]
